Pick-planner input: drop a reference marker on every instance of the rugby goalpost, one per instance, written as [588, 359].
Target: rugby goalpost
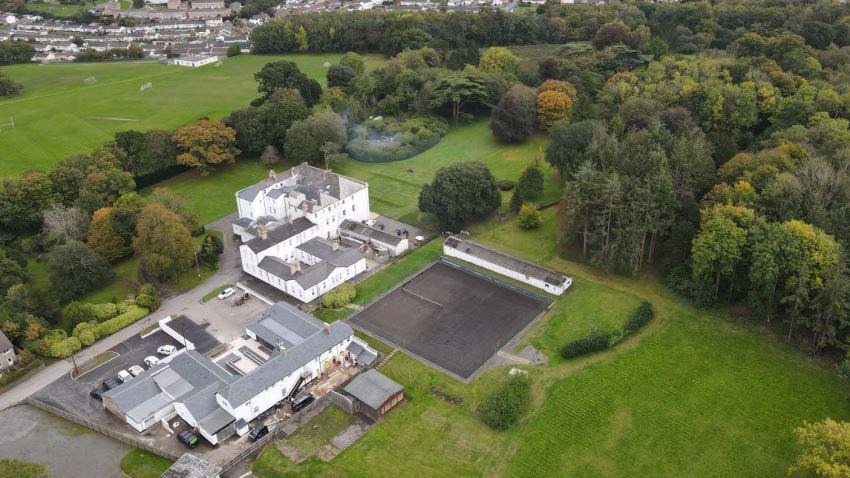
[9, 125]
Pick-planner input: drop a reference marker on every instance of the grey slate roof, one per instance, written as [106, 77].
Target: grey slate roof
[5, 343]
[372, 388]
[362, 355]
[361, 230]
[280, 233]
[511, 263]
[311, 181]
[318, 247]
[311, 275]
[284, 324]
[280, 366]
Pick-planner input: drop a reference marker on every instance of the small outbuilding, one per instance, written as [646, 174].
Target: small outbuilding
[375, 393]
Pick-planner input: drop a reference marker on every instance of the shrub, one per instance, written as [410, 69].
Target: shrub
[529, 217]
[148, 297]
[77, 312]
[339, 296]
[85, 332]
[640, 317]
[63, 348]
[505, 406]
[132, 314]
[505, 184]
[104, 311]
[598, 341]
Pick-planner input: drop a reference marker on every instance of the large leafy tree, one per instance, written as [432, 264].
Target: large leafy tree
[22, 200]
[825, 449]
[105, 239]
[460, 193]
[285, 74]
[205, 144]
[304, 139]
[458, 90]
[163, 243]
[499, 60]
[513, 117]
[75, 270]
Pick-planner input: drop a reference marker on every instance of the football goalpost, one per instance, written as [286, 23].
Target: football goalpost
[9, 125]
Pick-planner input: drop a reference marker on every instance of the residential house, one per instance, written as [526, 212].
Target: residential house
[8, 356]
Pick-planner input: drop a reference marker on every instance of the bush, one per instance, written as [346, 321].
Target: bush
[505, 184]
[104, 312]
[77, 312]
[339, 296]
[529, 217]
[63, 348]
[389, 139]
[640, 317]
[598, 341]
[133, 313]
[506, 405]
[234, 50]
[86, 332]
[148, 297]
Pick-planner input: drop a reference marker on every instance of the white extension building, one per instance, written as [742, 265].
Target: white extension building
[289, 226]
[285, 350]
[532, 274]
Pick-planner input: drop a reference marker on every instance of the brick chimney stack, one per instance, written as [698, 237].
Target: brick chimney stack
[262, 231]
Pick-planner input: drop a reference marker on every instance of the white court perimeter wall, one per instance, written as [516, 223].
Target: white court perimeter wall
[499, 269]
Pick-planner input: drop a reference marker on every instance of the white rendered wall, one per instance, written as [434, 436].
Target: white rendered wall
[452, 252]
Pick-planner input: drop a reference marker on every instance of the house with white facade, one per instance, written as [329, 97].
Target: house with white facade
[548, 280]
[285, 349]
[289, 226]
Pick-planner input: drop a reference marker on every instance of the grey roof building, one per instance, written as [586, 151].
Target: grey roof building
[377, 392]
[191, 466]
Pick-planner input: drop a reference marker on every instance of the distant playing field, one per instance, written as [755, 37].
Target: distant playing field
[59, 114]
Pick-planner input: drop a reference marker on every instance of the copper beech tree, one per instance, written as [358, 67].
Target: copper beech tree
[205, 144]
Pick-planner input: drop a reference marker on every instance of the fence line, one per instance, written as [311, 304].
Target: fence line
[496, 280]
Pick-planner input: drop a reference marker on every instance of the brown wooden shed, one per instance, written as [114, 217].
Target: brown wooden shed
[375, 393]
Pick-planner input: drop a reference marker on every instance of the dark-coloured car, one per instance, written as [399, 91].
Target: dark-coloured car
[266, 414]
[110, 383]
[259, 432]
[188, 438]
[96, 395]
[302, 401]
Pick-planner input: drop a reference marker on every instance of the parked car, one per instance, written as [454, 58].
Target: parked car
[110, 383]
[124, 376]
[302, 401]
[226, 293]
[136, 370]
[150, 360]
[188, 438]
[166, 350]
[96, 395]
[259, 432]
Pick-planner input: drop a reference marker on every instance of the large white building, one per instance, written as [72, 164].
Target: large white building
[289, 225]
[286, 349]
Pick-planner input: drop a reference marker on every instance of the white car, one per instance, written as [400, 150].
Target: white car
[124, 376]
[226, 293]
[136, 370]
[166, 350]
[150, 361]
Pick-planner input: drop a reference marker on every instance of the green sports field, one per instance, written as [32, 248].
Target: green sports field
[59, 115]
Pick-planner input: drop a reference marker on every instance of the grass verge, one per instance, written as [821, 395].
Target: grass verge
[141, 464]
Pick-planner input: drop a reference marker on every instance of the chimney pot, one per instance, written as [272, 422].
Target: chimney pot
[328, 329]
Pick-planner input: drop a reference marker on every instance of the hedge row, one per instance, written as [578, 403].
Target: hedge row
[57, 344]
[600, 340]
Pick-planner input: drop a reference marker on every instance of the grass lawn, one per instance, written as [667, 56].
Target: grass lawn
[692, 394]
[394, 191]
[81, 117]
[141, 464]
[58, 9]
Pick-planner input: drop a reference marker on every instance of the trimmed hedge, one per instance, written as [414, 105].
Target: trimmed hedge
[504, 407]
[105, 311]
[600, 340]
[133, 313]
[339, 296]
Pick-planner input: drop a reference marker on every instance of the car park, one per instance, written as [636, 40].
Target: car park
[124, 376]
[226, 293]
[136, 370]
[188, 438]
[259, 432]
[150, 361]
[166, 350]
[302, 401]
